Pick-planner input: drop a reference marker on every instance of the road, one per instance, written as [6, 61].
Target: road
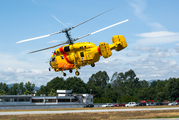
[84, 111]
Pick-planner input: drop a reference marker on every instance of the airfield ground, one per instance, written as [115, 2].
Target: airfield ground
[94, 116]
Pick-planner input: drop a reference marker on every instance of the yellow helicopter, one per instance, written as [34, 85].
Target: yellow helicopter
[74, 55]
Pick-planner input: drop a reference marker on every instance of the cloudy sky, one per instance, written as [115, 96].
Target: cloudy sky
[152, 35]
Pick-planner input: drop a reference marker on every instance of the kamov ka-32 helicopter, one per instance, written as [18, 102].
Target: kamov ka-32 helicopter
[75, 55]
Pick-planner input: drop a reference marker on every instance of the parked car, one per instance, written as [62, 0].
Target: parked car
[108, 105]
[131, 104]
[173, 103]
[158, 103]
[150, 104]
[141, 104]
[119, 105]
[89, 105]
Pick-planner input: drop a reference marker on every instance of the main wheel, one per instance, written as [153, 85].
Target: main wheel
[77, 73]
[92, 65]
[64, 74]
[70, 71]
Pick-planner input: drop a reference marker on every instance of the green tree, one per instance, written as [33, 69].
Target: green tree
[99, 79]
[127, 99]
[21, 88]
[96, 91]
[42, 90]
[144, 84]
[76, 84]
[29, 87]
[125, 83]
[52, 92]
[173, 88]
[3, 88]
[56, 84]
[27, 92]
[160, 96]
[14, 90]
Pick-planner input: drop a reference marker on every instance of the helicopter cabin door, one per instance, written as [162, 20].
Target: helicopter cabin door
[82, 58]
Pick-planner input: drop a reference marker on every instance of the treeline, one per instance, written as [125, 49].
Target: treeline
[17, 89]
[122, 87]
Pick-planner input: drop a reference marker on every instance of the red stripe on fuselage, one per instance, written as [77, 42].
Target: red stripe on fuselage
[64, 54]
[61, 50]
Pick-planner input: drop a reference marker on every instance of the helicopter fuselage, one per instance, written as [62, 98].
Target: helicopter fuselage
[75, 55]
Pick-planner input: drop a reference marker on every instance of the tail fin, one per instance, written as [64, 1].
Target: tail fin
[119, 42]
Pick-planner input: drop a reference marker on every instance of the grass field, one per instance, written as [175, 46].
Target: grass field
[95, 116]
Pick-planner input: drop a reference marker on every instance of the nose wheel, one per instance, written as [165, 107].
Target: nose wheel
[70, 71]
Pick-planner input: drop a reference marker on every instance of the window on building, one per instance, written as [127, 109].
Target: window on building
[37, 100]
[20, 100]
[6, 100]
[9, 100]
[27, 100]
[73, 100]
[63, 100]
[50, 100]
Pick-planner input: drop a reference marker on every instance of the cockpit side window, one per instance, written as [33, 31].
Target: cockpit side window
[53, 59]
[62, 57]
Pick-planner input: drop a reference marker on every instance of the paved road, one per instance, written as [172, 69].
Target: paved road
[84, 111]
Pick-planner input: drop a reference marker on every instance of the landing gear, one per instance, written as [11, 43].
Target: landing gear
[77, 73]
[76, 67]
[64, 74]
[70, 71]
[92, 65]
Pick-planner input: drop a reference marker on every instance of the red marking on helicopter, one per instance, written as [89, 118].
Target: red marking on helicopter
[61, 50]
[64, 54]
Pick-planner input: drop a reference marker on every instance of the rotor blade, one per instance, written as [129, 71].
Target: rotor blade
[91, 18]
[59, 21]
[38, 37]
[109, 26]
[47, 48]
[101, 30]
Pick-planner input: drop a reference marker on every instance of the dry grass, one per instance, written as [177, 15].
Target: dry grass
[97, 116]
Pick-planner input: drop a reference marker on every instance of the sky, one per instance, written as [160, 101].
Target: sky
[151, 33]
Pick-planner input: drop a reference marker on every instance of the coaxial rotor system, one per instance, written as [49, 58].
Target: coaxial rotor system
[70, 40]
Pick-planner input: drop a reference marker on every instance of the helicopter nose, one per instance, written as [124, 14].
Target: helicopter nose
[54, 53]
[50, 63]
